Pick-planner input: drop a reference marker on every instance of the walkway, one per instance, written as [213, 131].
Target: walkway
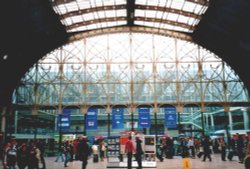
[175, 163]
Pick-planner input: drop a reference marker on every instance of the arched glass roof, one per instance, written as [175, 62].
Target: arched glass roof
[130, 68]
[174, 15]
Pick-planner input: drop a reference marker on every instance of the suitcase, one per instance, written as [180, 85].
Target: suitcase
[95, 158]
[230, 155]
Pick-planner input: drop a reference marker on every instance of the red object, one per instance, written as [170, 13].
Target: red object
[98, 137]
[123, 140]
[129, 147]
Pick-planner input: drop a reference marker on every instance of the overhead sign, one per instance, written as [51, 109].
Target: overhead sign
[170, 117]
[117, 118]
[63, 120]
[91, 119]
[144, 117]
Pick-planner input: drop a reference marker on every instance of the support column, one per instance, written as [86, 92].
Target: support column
[227, 122]
[207, 120]
[16, 121]
[109, 119]
[155, 110]
[230, 121]
[212, 121]
[203, 119]
[246, 120]
[202, 123]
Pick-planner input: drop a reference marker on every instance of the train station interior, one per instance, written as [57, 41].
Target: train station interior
[106, 69]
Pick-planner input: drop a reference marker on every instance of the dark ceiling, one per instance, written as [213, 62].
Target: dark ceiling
[30, 29]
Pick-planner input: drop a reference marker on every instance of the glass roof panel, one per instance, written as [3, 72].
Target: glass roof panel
[189, 6]
[177, 4]
[181, 15]
[153, 64]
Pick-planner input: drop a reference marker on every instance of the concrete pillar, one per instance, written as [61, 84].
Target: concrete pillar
[230, 120]
[207, 121]
[246, 120]
[212, 121]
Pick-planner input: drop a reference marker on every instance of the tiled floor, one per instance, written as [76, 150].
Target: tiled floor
[176, 163]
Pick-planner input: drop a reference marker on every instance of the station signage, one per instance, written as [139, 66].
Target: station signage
[91, 119]
[63, 120]
[170, 117]
[144, 117]
[117, 118]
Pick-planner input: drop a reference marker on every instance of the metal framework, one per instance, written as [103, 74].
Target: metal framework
[173, 15]
[130, 70]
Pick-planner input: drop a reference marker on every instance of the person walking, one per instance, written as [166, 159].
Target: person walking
[66, 152]
[222, 148]
[34, 155]
[102, 150]
[191, 147]
[41, 146]
[206, 143]
[83, 151]
[60, 154]
[138, 152]
[240, 148]
[247, 157]
[22, 156]
[129, 150]
[10, 155]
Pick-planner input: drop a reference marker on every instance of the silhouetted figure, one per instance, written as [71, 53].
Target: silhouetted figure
[138, 152]
[83, 151]
[206, 143]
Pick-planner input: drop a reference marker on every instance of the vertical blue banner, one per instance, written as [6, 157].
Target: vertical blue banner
[170, 117]
[91, 119]
[63, 120]
[117, 118]
[144, 117]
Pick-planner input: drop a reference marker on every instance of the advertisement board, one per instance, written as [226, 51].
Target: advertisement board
[149, 144]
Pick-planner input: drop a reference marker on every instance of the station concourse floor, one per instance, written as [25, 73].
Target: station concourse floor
[175, 163]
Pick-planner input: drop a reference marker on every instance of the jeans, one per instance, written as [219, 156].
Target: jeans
[60, 154]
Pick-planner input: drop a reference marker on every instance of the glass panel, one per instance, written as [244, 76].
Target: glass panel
[130, 67]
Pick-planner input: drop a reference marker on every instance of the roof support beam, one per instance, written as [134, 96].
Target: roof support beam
[130, 12]
[141, 29]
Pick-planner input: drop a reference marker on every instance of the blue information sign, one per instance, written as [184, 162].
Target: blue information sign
[170, 117]
[91, 119]
[117, 118]
[63, 120]
[144, 117]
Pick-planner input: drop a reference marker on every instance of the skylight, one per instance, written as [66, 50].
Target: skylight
[85, 15]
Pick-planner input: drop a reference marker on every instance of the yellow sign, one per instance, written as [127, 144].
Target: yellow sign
[186, 163]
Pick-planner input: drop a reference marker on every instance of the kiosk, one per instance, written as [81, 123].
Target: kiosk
[116, 151]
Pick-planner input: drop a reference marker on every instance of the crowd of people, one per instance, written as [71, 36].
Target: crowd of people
[23, 155]
[204, 146]
[31, 155]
